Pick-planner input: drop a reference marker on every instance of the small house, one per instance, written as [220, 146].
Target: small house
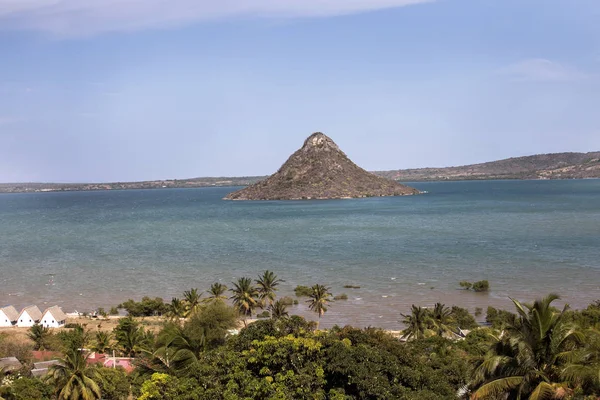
[42, 368]
[9, 365]
[29, 317]
[8, 316]
[53, 317]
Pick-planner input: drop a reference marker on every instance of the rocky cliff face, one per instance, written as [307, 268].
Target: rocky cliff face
[320, 170]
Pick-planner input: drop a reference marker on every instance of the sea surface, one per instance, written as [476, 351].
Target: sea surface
[83, 250]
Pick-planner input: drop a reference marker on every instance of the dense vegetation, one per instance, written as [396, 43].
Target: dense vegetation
[537, 352]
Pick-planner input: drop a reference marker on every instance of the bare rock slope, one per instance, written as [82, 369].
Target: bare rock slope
[320, 170]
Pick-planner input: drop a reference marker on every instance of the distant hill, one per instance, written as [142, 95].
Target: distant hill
[320, 170]
[540, 166]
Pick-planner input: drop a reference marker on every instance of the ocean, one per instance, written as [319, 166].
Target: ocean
[83, 250]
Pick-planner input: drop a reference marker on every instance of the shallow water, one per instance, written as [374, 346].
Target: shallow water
[528, 238]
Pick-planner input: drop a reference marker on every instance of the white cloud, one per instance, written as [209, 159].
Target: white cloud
[543, 70]
[84, 17]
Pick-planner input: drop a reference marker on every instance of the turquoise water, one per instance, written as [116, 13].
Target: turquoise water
[527, 238]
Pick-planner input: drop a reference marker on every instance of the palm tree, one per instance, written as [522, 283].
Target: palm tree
[584, 363]
[176, 350]
[441, 319]
[39, 335]
[192, 300]
[318, 300]
[267, 286]
[177, 308]
[70, 377]
[129, 336]
[102, 344]
[417, 323]
[244, 296]
[278, 310]
[527, 360]
[217, 291]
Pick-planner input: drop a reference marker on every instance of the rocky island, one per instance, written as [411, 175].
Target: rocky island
[320, 170]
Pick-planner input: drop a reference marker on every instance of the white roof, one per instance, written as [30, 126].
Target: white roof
[33, 311]
[10, 312]
[56, 312]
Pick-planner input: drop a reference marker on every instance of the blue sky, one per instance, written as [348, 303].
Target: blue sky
[156, 89]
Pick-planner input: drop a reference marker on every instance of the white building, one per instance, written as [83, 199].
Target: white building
[29, 317]
[8, 316]
[53, 317]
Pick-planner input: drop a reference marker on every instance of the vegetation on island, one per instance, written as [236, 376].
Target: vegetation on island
[479, 286]
[537, 351]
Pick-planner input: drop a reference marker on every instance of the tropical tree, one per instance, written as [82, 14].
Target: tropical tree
[278, 310]
[529, 359]
[217, 291]
[70, 378]
[192, 301]
[130, 336]
[318, 300]
[583, 366]
[267, 286]
[417, 323]
[103, 342]
[39, 335]
[177, 308]
[441, 319]
[244, 297]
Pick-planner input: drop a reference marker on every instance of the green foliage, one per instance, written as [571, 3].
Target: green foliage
[286, 300]
[500, 318]
[39, 335]
[114, 311]
[278, 310]
[217, 291]
[24, 388]
[75, 338]
[191, 299]
[465, 284]
[145, 308]
[113, 382]
[302, 291]
[103, 342]
[167, 387]
[245, 296]
[351, 287]
[71, 378]
[463, 318]
[342, 296]
[267, 286]
[527, 360]
[319, 299]
[130, 337]
[481, 286]
[9, 347]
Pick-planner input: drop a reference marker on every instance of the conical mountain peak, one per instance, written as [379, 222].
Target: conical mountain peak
[320, 170]
[319, 141]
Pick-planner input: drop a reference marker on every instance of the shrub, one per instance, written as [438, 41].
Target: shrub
[481, 286]
[342, 296]
[463, 318]
[264, 314]
[114, 311]
[145, 308]
[351, 287]
[302, 291]
[465, 284]
[287, 301]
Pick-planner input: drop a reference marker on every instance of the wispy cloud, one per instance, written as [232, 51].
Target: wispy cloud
[85, 17]
[542, 70]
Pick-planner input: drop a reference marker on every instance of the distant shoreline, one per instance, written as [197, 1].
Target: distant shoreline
[99, 187]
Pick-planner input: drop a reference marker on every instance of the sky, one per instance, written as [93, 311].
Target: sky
[125, 90]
